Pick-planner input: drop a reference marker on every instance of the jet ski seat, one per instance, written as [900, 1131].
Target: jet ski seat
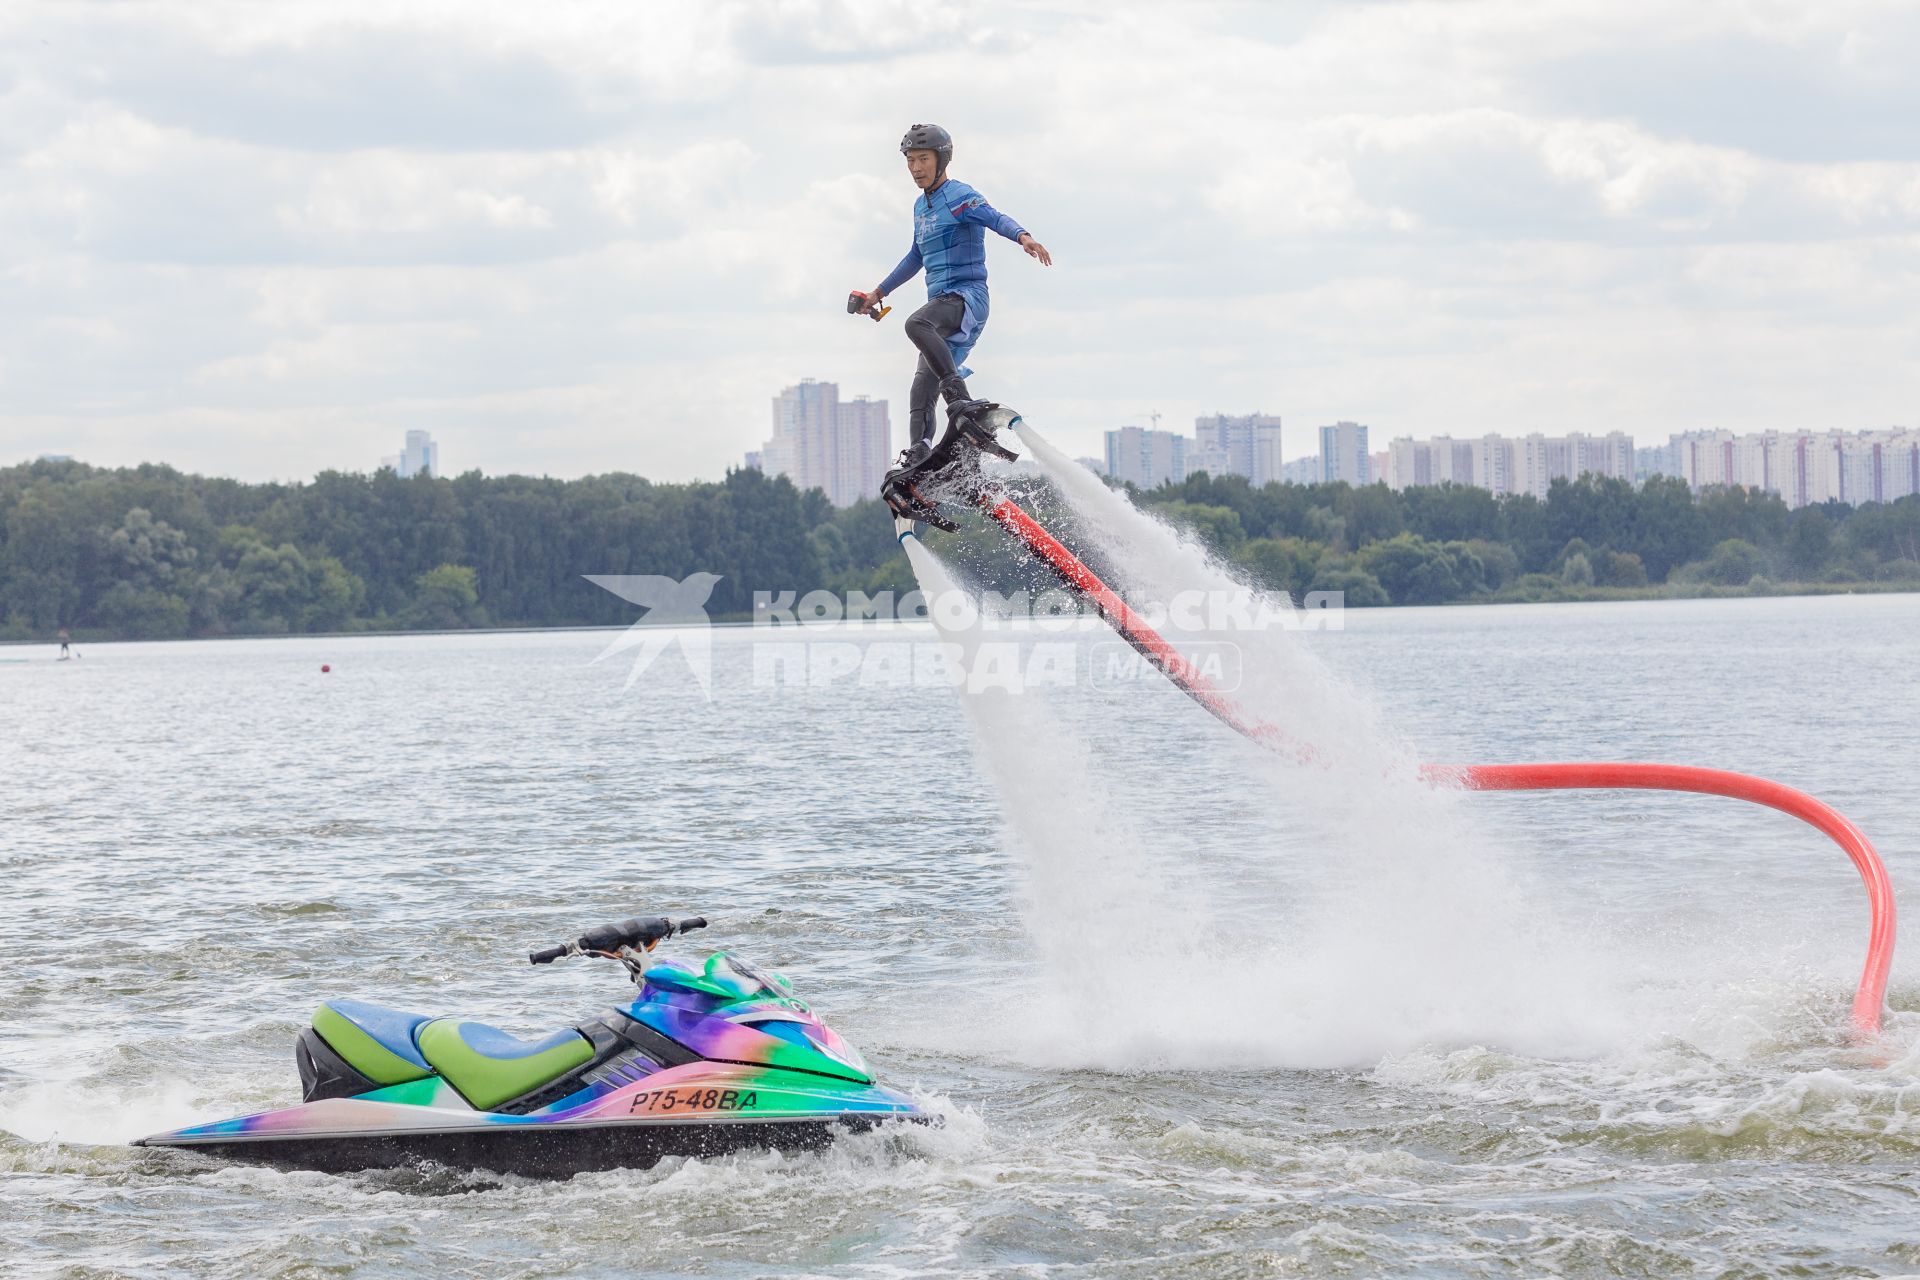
[489, 1066]
[373, 1039]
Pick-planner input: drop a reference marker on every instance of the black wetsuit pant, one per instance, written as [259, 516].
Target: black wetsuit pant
[929, 328]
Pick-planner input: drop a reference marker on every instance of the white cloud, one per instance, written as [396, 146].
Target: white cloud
[264, 240]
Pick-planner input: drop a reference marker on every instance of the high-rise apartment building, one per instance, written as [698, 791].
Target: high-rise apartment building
[1494, 464]
[1450, 461]
[1502, 465]
[820, 442]
[1654, 460]
[1146, 459]
[1705, 458]
[419, 456]
[1804, 467]
[862, 448]
[1237, 445]
[1301, 471]
[1410, 463]
[1343, 454]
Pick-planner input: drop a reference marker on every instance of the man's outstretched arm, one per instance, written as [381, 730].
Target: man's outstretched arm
[978, 210]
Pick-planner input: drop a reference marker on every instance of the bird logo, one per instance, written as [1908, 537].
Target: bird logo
[676, 614]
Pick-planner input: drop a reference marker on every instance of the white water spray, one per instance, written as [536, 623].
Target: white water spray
[1057, 801]
[1348, 912]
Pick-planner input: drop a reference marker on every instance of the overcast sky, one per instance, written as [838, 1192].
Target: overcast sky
[266, 239]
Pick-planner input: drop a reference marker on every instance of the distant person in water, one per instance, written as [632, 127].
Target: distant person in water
[950, 224]
[66, 643]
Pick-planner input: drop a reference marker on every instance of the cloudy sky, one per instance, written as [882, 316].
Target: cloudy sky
[261, 240]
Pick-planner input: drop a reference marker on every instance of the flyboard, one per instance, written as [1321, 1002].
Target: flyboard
[950, 474]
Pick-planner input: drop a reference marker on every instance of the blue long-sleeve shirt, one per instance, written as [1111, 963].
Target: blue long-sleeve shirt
[950, 225]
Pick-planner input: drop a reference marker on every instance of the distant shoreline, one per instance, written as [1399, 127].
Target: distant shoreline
[1698, 591]
[1589, 595]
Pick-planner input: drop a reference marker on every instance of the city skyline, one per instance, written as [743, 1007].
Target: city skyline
[846, 459]
[1246, 444]
[1802, 468]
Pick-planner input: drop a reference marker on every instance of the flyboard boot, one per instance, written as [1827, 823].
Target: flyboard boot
[948, 470]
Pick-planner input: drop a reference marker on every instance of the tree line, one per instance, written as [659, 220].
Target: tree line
[1591, 537]
[151, 552]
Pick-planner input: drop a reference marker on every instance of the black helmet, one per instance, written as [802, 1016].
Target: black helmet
[929, 137]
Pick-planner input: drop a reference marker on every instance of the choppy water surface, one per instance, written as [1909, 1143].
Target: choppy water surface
[1189, 1011]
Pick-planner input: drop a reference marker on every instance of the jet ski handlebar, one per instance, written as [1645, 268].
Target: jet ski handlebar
[612, 939]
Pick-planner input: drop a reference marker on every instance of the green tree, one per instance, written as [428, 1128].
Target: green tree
[1809, 543]
[1452, 513]
[1887, 531]
[1280, 564]
[1596, 509]
[1899, 571]
[1529, 531]
[1218, 527]
[1360, 588]
[1737, 512]
[446, 597]
[40, 565]
[261, 588]
[146, 552]
[1416, 571]
[1499, 564]
[1575, 547]
[1620, 569]
[1734, 562]
[1667, 529]
[1371, 513]
[143, 613]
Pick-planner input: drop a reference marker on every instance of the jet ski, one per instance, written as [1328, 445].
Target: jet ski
[925, 476]
[709, 1057]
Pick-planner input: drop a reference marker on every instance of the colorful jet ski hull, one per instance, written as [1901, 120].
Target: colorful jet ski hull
[701, 1109]
[705, 1061]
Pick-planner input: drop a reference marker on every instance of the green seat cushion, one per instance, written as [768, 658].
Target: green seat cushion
[374, 1040]
[488, 1066]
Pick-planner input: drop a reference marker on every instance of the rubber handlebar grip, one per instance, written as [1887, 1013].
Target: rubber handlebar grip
[548, 956]
[635, 932]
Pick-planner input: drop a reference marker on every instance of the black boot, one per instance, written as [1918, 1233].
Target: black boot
[965, 413]
[961, 406]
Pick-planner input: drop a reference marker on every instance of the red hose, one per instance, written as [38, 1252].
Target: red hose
[1131, 626]
[1869, 998]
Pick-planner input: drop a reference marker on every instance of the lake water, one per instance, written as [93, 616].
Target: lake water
[1189, 1010]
